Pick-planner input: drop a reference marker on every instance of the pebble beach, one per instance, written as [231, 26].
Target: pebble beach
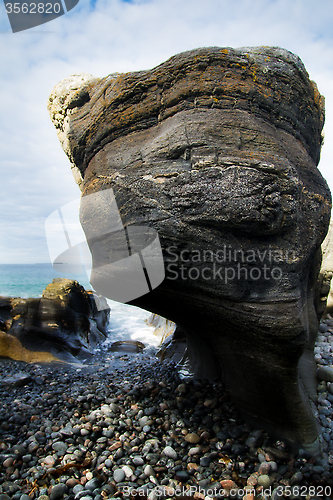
[128, 426]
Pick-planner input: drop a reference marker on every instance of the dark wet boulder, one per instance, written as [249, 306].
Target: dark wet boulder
[217, 150]
[5, 316]
[131, 346]
[65, 322]
[20, 379]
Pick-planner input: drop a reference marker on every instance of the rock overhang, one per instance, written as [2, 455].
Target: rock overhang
[219, 146]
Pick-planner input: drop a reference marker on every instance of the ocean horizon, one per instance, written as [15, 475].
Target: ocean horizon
[29, 280]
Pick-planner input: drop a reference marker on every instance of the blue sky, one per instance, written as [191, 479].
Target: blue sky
[104, 36]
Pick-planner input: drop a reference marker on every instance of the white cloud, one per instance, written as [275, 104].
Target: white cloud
[122, 36]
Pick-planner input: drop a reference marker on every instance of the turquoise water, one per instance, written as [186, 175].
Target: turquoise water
[29, 280]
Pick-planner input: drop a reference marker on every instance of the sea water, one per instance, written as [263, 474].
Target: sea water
[29, 280]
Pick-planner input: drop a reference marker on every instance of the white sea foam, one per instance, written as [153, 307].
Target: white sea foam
[129, 323]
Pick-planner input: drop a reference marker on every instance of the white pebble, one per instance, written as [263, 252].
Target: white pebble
[170, 452]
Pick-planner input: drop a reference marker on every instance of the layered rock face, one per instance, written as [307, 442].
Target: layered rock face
[65, 323]
[217, 149]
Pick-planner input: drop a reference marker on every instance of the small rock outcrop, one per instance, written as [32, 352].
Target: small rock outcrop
[64, 324]
[325, 291]
[217, 150]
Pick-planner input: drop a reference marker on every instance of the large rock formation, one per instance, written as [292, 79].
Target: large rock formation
[217, 149]
[66, 323]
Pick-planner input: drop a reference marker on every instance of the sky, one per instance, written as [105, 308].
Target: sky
[106, 36]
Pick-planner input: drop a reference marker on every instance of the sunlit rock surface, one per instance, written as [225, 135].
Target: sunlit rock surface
[164, 328]
[217, 149]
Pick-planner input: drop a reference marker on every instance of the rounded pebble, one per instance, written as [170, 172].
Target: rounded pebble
[182, 475]
[92, 484]
[119, 475]
[170, 452]
[264, 468]
[58, 491]
[264, 481]
[60, 446]
[77, 488]
[325, 373]
[128, 471]
[8, 462]
[138, 461]
[192, 438]
[149, 471]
